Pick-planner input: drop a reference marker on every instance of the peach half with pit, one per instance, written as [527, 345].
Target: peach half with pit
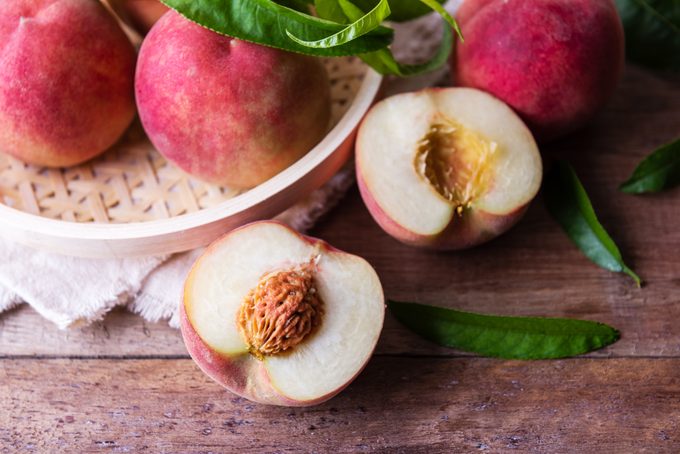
[280, 318]
[446, 168]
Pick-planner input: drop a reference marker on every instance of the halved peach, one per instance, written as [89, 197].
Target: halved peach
[446, 168]
[280, 318]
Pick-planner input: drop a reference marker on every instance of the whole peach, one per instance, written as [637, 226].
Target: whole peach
[224, 110]
[66, 80]
[556, 62]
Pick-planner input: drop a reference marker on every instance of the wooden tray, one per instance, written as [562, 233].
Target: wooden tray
[132, 202]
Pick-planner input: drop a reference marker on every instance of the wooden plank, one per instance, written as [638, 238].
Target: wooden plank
[24, 332]
[397, 405]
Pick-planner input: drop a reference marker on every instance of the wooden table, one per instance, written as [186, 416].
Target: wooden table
[124, 385]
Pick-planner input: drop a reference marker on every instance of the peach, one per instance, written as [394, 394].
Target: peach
[556, 62]
[446, 168]
[280, 318]
[228, 111]
[66, 80]
[139, 14]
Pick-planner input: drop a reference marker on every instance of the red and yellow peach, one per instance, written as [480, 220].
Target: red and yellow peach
[555, 62]
[66, 80]
[224, 110]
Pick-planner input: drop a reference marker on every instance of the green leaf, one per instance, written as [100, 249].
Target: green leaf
[280, 25]
[445, 15]
[504, 337]
[658, 171]
[384, 62]
[360, 27]
[331, 10]
[297, 5]
[402, 10]
[266, 22]
[652, 32]
[430, 5]
[568, 202]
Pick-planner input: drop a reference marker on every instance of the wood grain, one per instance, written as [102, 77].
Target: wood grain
[124, 385]
[397, 405]
[23, 332]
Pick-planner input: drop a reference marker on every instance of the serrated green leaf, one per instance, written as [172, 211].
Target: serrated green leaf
[652, 32]
[568, 202]
[298, 5]
[359, 27]
[272, 24]
[331, 10]
[504, 337]
[435, 6]
[266, 22]
[384, 62]
[402, 10]
[658, 171]
[430, 5]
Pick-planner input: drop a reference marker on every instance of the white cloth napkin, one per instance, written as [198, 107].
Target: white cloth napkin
[75, 291]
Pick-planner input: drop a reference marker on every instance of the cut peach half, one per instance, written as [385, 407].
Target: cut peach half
[280, 318]
[446, 168]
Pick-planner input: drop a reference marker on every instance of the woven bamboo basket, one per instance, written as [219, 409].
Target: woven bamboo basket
[132, 202]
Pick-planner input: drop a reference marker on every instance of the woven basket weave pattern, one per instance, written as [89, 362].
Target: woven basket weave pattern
[132, 182]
